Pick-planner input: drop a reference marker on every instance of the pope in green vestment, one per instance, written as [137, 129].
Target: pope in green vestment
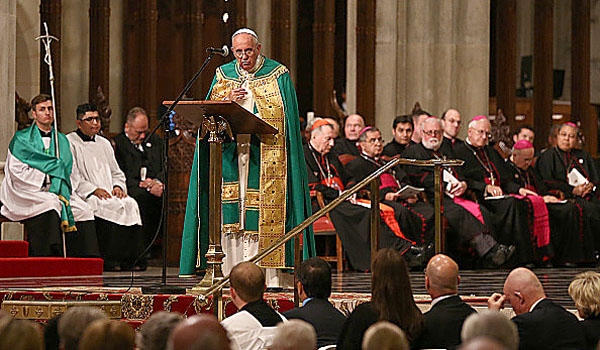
[277, 198]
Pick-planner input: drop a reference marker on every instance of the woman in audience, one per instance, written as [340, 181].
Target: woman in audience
[107, 334]
[20, 334]
[585, 292]
[391, 300]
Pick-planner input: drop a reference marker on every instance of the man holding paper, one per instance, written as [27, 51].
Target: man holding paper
[572, 171]
[565, 217]
[465, 217]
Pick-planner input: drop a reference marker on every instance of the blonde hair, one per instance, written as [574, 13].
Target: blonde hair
[585, 292]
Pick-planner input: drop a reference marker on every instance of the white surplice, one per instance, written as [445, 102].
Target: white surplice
[95, 164]
[22, 195]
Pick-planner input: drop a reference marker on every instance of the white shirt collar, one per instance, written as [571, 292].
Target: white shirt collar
[438, 299]
[535, 304]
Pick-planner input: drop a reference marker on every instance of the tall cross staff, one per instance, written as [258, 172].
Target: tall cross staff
[47, 40]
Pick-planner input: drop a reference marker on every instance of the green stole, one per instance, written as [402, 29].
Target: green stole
[28, 147]
[277, 196]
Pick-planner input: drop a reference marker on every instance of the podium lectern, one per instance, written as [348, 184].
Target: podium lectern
[217, 119]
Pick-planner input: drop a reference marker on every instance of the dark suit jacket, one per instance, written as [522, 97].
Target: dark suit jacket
[549, 326]
[443, 323]
[131, 159]
[324, 317]
[591, 328]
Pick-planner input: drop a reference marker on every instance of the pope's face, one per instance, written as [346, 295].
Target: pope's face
[246, 50]
[43, 114]
[567, 138]
[479, 134]
[373, 145]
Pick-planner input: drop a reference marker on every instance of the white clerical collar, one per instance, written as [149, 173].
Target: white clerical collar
[438, 299]
[535, 304]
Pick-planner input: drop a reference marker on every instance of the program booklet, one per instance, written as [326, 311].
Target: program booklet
[409, 191]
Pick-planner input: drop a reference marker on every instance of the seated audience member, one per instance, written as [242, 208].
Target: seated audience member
[483, 343]
[198, 332]
[493, 324]
[155, 331]
[415, 218]
[465, 217]
[142, 164]
[524, 132]
[488, 176]
[18, 334]
[335, 122]
[573, 171]
[353, 124]
[384, 335]
[443, 322]
[391, 301]
[565, 218]
[102, 184]
[51, 339]
[314, 288]
[585, 292]
[73, 323]
[402, 130]
[418, 116]
[542, 324]
[37, 188]
[352, 221]
[294, 335]
[451, 125]
[108, 334]
[253, 326]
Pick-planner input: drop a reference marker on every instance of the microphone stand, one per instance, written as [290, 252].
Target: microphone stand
[165, 121]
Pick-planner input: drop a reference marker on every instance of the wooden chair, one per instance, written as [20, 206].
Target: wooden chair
[323, 227]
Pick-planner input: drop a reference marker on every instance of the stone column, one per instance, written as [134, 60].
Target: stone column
[440, 58]
[8, 27]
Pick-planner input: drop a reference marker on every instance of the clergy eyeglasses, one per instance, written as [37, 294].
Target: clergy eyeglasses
[241, 53]
[432, 132]
[374, 140]
[91, 119]
[483, 132]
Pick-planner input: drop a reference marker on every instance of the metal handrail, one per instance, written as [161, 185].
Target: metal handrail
[334, 203]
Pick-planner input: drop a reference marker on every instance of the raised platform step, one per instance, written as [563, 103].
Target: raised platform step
[50, 266]
[14, 249]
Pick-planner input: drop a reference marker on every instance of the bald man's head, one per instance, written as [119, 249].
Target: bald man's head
[522, 289]
[441, 276]
[199, 332]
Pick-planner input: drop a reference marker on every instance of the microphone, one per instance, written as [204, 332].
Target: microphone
[223, 51]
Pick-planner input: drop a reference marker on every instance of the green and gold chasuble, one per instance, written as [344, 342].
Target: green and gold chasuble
[277, 198]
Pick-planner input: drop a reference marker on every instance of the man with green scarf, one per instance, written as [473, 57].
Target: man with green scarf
[273, 190]
[37, 188]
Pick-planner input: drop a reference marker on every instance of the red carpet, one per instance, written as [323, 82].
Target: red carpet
[15, 263]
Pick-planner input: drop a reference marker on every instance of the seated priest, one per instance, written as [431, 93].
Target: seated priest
[351, 221]
[488, 176]
[102, 184]
[346, 146]
[571, 170]
[402, 130]
[571, 241]
[36, 189]
[414, 216]
[466, 218]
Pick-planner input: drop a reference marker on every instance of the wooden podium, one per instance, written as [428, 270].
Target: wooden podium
[217, 119]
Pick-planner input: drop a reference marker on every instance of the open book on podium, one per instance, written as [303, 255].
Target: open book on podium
[239, 119]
